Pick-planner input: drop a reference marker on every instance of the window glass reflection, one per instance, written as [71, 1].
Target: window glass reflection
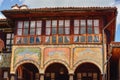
[31, 39]
[25, 40]
[96, 38]
[38, 39]
[76, 38]
[67, 39]
[89, 38]
[47, 39]
[53, 39]
[60, 39]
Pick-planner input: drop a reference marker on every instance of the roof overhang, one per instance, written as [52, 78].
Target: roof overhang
[59, 11]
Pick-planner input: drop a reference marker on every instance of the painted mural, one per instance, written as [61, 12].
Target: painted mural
[93, 54]
[57, 53]
[27, 53]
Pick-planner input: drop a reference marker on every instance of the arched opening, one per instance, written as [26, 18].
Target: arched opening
[27, 71]
[87, 71]
[56, 71]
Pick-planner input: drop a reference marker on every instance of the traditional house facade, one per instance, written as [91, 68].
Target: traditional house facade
[62, 43]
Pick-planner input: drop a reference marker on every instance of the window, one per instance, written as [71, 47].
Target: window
[5, 75]
[64, 31]
[29, 32]
[87, 76]
[9, 41]
[86, 30]
[57, 29]
[79, 30]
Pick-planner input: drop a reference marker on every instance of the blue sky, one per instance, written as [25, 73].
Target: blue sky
[6, 4]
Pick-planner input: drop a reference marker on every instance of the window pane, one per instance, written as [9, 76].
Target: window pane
[48, 23]
[76, 23]
[89, 24]
[38, 31]
[53, 39]
[26, 24]
[96, 30]
[5, 74]
[25, 40]
[82, 38]
[8, 42]
[31, 39]
[12, 35]
[83, 30]
[76, 39]
[39, 23]
[32, 31]
[47, 31]
[82, 23]
[89, 38]
[67, 39]
[60, 39]
[76, 30]
[19, 32]
[20, 24]
[61, 23]
[12, 41]
[67, 30]
[60, 30]
[54, 23]
[25, 31]
[19, 40]
[47, 39]
[96, 22]
[67, 23]
[89, 30]
[38, 39]
[54, 30]
[32, 25]
[96, 39]
[9, 36]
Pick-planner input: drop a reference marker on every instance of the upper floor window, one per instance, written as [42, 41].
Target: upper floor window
[57, 31]
[86, 30]
[9, 41]
[33, 29]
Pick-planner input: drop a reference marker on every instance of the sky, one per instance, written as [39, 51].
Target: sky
[6, 4]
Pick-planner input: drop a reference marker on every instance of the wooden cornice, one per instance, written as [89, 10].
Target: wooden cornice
[58, 11]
